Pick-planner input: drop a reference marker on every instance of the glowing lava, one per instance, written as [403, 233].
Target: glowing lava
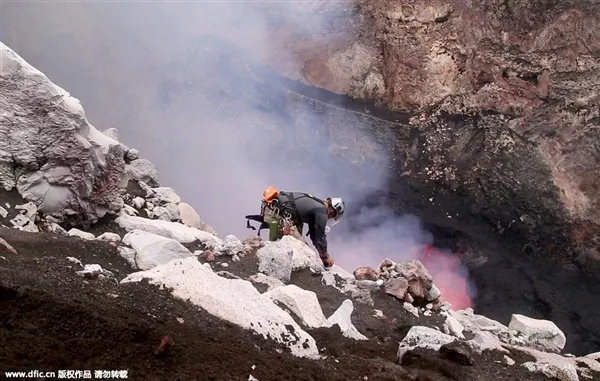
[449, 275]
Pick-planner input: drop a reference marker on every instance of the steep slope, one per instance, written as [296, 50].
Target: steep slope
[153, 291]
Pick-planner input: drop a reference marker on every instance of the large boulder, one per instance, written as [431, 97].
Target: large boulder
[174, 230]
[233, 300]
[423, 337]
[48, 149]
[153, 250]
[342, 317]
[303, 303]
[538, 333]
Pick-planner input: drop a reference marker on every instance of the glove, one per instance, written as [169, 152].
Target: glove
[327, 261]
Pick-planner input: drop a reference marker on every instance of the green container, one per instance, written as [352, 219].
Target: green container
[274, 230]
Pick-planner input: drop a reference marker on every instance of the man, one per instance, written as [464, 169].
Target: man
[287, 212]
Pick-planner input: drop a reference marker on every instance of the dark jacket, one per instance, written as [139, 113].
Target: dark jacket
[311, 211]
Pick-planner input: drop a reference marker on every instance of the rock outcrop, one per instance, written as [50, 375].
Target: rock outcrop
[48, 149]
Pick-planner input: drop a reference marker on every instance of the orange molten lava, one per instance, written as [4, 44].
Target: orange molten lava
[448, 275]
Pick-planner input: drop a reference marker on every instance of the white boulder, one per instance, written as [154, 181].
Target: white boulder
[302, 255]
[129, 255]
[3, 212]
[269, 281]
[168, 212]
[410, 308]
[190, 218]
[153, 250]
[275, 261]
[174, 230]
[453, 327]
[486, 340]
[128, 211]
[132, 154]
[562, 372]
[342, 317]
[109, 237]
[302, 303]
[233, 300]
[554, 365]
[538, 333]
[423, 337]
[21, 222]
[230, 246]
[81, 234]
[165, 195]
[54, 156]
[112, 133]
[92, 271]
[138, 202]
[142, 170]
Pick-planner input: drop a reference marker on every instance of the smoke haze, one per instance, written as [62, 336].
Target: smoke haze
[169, 77]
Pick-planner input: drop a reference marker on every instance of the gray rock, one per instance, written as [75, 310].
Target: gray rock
[166, 195]
[539, 334]
[143, 170]
[109, 237]
[81, 234]
[269, 281]
[304, 304]
[129, 211]
[411, 309]
[21, 222]
[433, 293]
[112, 133]
[146, 188]
[153, 250]
[67, 168]
[562, 372]
[169, 212]
[227, 274]
[3, 212]
[56, 228]
[129, 255]
[29, 210]
[132, 154]
[342, 317]
[138, 202]
[91, 271]
[423, 337]
[189, 217]
[231, 246]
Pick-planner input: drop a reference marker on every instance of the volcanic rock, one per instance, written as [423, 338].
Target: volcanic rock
[153, 250]
[174, 230]
[68, 168]
[458, 352]
[302, 303]
[235, 300]
[539, 334]
[422, 337]
[142, 170]
[366, 273]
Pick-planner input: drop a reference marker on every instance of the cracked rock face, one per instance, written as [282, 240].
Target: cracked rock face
[48, 149]
[535, 63]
